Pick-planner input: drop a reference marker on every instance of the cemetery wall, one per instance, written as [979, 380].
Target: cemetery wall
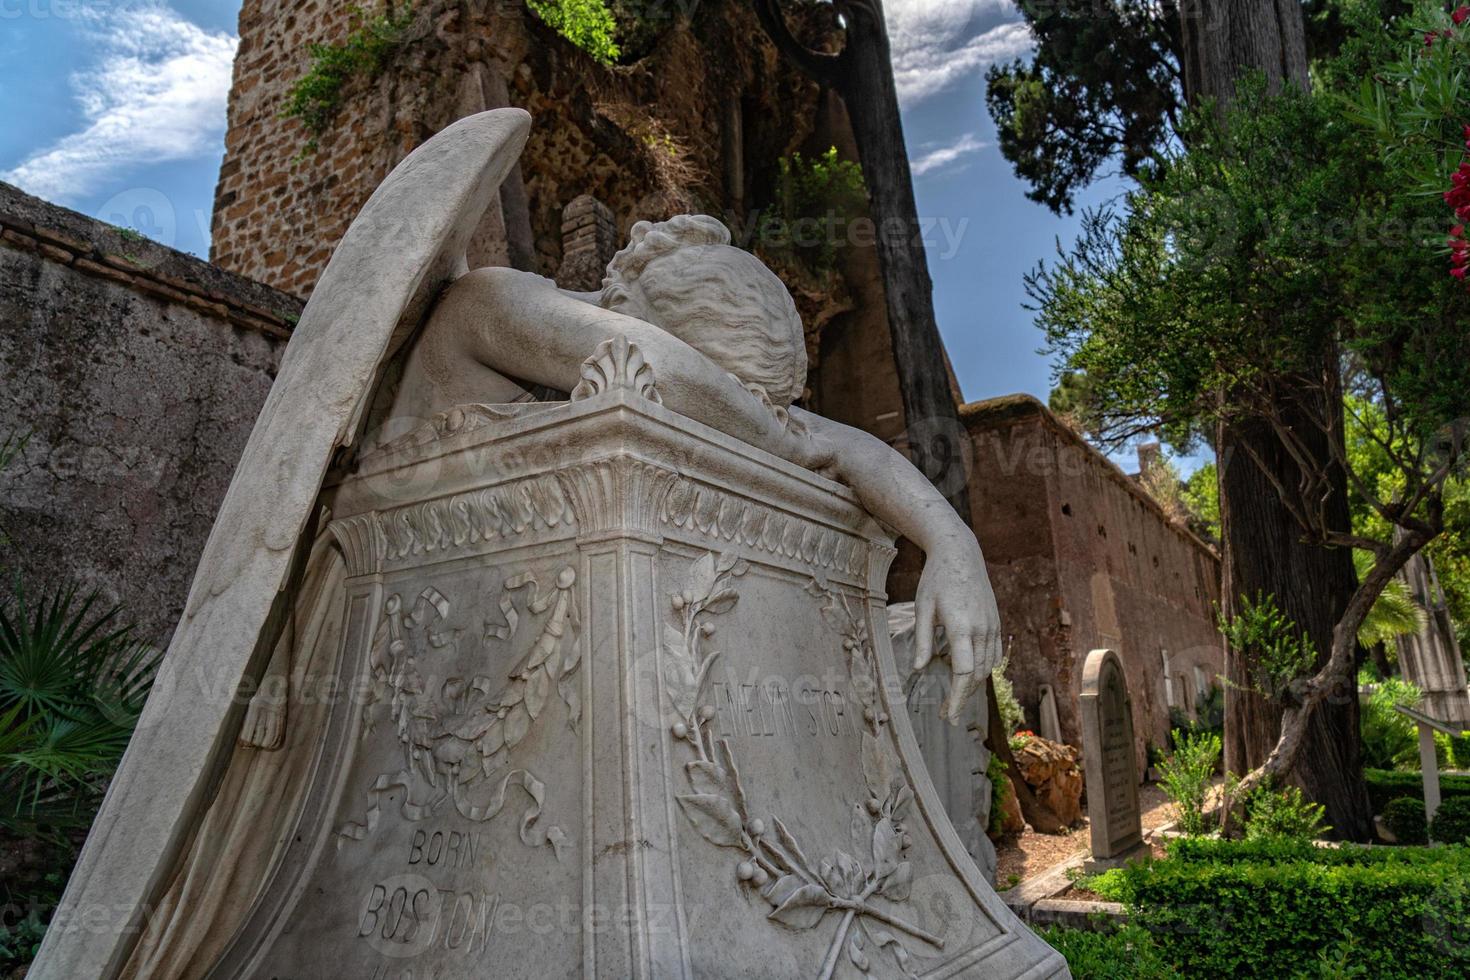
[1082, 557]
[137, 372]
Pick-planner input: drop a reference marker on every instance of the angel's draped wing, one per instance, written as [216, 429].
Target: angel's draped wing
[408, 241]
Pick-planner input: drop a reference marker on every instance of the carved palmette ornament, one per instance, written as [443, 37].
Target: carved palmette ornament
[802, 893]
[616, 364]
[457, 733]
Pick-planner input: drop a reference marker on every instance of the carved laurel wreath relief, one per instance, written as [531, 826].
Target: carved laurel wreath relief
[773, 864]
[456, 733]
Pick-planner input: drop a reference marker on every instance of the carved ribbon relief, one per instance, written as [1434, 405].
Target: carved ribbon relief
[456, 733]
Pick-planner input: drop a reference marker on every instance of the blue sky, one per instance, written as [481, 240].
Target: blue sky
[117, 108]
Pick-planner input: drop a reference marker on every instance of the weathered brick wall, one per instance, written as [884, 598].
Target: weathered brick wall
[699, 123]
[137, 372]
[1081, 557]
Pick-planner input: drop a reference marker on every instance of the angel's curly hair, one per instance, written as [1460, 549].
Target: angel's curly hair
[719, 299]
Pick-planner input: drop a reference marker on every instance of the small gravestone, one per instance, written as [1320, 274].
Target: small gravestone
[1108, 757]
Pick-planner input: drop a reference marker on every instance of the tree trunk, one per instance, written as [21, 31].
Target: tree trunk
[1264, 552]
[862, 74]
[1223, 39]
[1263, 546]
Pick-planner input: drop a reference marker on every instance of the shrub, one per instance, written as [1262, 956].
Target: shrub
[1385, 786]
[1276, 851]
[1186, 777]
[1390, 740]
[71, 689]
[1405, 819]
[1275, 647]
[1451, 823]
[1000, 788]
[1268, 908]
[815, 199]
[1129, 953]
[1283, 813]
[588, 24]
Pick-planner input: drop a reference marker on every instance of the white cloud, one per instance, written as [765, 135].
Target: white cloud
[938, 42]
[941, 157]
[156, 94]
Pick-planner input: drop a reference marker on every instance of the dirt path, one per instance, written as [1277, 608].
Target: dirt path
[1021, 856]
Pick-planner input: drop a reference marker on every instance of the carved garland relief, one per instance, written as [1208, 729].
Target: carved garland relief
[802, 893]
[457, 733]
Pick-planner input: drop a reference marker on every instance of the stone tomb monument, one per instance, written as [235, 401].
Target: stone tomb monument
[1109, 761]
[955, 755]
[594, 687]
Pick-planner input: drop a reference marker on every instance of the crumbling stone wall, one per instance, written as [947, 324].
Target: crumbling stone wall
[137, 373]
[698, 123]
[1081, 557]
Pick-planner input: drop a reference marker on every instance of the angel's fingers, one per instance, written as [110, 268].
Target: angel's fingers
[923, 633]
[962, 654]
[961, 689]
[991, 650]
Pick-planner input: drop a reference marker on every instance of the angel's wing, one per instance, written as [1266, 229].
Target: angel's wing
[407, 242]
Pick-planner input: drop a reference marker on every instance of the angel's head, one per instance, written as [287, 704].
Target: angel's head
[684, 275]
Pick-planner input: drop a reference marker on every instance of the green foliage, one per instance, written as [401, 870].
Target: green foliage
[588, 24]
[1405, 819]
[1202, 498]
[1268, 908]
[71, 688]
[1453, 752]
[1071, 401]
[1385, 786]
[1276, 649]
[1283, 813]
[815, 200]
[1277, 236]
[1390, 740]
[316, 97]
[1127, 953]
[1187, 775]
[1451, 824]
[1394, 613]
[1000, 788]
[1012, 716]
[1067, 113]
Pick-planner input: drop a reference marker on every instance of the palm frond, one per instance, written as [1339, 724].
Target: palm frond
[1394, 613]
[72, 685]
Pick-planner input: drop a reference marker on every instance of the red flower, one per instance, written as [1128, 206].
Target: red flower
[1460, 14]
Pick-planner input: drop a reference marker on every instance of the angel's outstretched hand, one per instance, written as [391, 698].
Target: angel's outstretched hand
[955, 592]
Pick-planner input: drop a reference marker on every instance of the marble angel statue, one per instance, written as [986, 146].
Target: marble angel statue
[398, 331]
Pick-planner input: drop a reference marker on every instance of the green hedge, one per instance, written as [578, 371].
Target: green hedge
[1129, 953]
[1284, 909]
[1207, 850]
[1386, 785]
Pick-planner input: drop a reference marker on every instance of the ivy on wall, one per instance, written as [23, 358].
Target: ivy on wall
[316, 97]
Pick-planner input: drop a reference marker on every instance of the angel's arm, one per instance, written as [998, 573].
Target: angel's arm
[954, 591]
[518, 324]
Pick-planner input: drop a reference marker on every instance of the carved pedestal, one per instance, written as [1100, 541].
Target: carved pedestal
[616, 699]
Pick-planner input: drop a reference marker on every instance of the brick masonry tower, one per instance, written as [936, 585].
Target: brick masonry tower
[698, 119]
